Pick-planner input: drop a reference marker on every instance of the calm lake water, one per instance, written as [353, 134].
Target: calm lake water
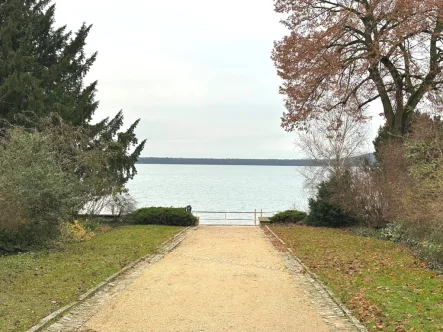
[220, 189]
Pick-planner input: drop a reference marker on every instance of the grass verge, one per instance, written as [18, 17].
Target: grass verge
[32, 285]
[386, 287]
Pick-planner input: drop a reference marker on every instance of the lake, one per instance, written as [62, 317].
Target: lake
[220, 188]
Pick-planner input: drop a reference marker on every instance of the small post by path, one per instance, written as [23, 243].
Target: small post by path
[255, 217]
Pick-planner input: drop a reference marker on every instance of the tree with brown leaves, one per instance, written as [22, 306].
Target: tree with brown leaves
[345, 54]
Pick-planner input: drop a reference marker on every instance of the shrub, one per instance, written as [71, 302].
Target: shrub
[75, 232]
[289, 216]
[47, 175]
[162, 216]
[365, 231]
[27, 236]
[363, 195]
[323, 211]
[121, 204]
[35, 194]
[91, 224]
[425, 239]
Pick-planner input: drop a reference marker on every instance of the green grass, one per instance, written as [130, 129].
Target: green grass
[384, 285]
[32, 285]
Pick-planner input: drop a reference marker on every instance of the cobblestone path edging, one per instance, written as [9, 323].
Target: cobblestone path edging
[333, 312]
[78, 312]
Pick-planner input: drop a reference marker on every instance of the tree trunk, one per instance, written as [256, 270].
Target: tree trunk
[399, 123]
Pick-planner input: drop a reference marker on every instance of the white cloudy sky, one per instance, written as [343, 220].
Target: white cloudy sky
[198, 73]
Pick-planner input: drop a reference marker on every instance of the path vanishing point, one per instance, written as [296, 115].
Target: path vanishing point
[216, 279]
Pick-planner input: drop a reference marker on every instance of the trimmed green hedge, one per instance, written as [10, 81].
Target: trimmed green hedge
[289, 216]
[162, 216]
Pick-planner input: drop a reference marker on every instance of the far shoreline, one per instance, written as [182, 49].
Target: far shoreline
[238, 162]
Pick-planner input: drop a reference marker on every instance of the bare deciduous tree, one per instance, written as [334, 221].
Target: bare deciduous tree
[334, 142]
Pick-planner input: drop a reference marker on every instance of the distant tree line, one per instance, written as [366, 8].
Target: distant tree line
[239, 162]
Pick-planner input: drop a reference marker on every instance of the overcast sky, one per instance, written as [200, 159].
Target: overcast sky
[198, 73]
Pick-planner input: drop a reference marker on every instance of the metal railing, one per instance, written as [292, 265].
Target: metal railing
[249, 218]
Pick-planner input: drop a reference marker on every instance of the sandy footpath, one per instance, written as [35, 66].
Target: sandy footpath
[218, 279]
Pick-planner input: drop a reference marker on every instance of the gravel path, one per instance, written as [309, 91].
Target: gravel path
[218, 279]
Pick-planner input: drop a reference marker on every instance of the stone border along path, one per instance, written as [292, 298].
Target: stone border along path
[218, 279]
[77, 312]
[333, 311]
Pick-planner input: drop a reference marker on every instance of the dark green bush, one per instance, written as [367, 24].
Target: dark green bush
[289, 216]
[162, 216]
[323, 212]
[27, 237]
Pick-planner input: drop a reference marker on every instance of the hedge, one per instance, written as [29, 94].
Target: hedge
[162, 216]
[289, 216]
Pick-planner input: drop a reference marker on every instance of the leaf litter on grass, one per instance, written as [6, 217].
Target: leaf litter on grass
[384, 284]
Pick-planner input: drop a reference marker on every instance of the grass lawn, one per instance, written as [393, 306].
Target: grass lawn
[32, 285]
[385, 286]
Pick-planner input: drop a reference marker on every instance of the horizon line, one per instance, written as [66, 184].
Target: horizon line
[237, 158]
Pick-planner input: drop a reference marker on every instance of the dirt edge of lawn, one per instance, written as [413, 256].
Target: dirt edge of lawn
[165, 248]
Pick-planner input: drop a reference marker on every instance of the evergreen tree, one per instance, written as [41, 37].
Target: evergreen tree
[42, 71]
[108, 138]
[323, 211]
[42, 68]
